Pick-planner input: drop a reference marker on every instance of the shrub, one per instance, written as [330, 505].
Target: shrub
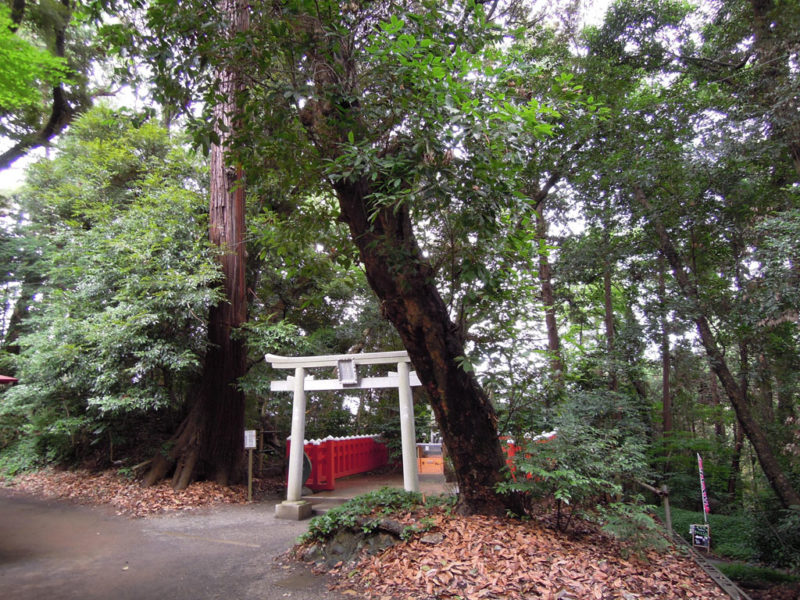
[596, 448]
[632, 524]
[377, 504]
[776, 538]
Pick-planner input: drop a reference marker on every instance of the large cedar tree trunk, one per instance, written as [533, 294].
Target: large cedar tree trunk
[209, 443]
[778, 480]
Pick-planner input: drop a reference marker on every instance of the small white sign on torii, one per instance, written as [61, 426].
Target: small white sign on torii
[347, 366]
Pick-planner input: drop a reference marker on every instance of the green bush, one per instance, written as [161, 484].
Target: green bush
[776, 537]
[632, 524]
[22, 455]
[598, 446]
[377, 504]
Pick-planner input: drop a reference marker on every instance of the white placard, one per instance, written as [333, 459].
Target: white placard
[249, 439]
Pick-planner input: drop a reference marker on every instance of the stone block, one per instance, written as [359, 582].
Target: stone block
[296, 511]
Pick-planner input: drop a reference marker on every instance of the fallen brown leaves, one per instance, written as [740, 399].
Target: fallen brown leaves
[126, 496]
[483, 557]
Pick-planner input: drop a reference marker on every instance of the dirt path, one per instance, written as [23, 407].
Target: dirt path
[55, 550]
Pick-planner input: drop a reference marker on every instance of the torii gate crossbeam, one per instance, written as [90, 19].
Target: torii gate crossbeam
[294, 507]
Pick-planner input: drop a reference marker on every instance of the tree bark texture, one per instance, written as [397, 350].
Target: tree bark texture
[778, 480]
[666, 392]
[548, 299]
[405, 286]
[608, 319]
[210, 441]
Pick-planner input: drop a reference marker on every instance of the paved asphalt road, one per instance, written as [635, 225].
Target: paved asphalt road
[61, 551]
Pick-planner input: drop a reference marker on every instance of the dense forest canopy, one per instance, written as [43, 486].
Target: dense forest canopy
[588, 228]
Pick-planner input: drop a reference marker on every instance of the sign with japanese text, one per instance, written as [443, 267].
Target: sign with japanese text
[701, 536]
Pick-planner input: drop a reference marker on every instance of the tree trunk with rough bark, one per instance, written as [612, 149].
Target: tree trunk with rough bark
[548, 299]
[666, 392]
[778, 480]
[404, 284]
[209, 443]
[608, 320]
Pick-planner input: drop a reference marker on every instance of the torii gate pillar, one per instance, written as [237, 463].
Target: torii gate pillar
[294, 488]
[294, 507]
[408, 436]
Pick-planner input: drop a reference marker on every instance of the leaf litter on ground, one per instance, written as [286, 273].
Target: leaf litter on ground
[479, 557]
[127, 496]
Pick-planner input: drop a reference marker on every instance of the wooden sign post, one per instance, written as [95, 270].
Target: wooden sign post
[249, 445]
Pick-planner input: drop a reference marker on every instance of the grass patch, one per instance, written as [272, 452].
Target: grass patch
[730, 534]
[751, 576]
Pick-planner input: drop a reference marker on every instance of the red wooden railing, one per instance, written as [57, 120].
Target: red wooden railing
[339, 457]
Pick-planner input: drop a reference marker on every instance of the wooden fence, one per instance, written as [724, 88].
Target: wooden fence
[332, 458]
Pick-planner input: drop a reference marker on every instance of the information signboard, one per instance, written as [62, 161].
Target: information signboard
[701, 536]
[249, 439]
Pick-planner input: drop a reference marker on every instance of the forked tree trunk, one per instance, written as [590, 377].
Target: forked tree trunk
[209, 442]
[778, 480]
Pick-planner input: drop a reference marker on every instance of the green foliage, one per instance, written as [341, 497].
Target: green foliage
[429, 111]
[26, 68]
[376, 505]
[632, 523]
[729, 533]
[676, 458]
[596, 448]
[754, 577]
[117, 325]
[776, 536]
[23, 454]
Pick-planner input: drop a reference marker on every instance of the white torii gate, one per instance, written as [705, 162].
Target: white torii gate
[347, 364]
